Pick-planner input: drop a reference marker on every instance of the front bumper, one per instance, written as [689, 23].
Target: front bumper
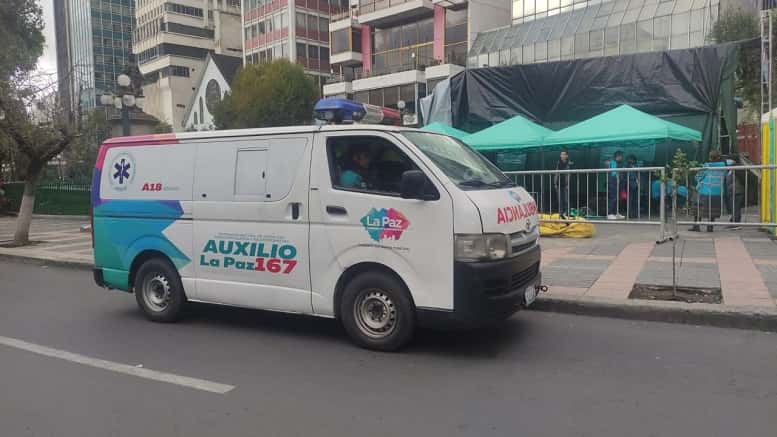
[487, 291]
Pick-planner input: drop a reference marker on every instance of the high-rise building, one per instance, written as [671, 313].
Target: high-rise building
[391, 53]
[94, 46]
[296, 30]
[171, 42]
[553, 30]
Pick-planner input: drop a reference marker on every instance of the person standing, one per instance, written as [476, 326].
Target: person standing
[632, 187]
[614, 186]
[709, 191]
[734, 196]
[561, 181]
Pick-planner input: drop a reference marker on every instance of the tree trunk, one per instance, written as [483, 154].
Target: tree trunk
[24, 219]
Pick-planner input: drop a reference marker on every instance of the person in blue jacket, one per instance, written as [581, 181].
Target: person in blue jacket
[356, 169]
[709, 190]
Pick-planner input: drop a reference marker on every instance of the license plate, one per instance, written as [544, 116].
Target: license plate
[530, 294]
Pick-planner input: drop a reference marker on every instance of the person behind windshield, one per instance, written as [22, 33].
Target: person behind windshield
[356, 168]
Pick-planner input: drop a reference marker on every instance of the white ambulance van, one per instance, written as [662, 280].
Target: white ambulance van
[383, 228]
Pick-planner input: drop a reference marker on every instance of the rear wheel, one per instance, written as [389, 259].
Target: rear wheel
[377, 312]
[158, 291]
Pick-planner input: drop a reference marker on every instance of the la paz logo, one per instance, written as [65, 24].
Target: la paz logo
[122, 171]
[385, 224]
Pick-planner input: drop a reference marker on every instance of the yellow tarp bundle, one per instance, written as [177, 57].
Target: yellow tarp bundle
[580, 228]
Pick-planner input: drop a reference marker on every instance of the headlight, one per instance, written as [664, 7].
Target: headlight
[480, 247]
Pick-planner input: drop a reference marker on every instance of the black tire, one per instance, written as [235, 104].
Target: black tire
[387, 322]
[158, 291]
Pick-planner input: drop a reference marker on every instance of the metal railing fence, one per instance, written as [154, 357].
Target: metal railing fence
[647, 196]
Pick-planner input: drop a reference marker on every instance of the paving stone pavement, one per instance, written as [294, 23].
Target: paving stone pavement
[575, 262]
[688, 274]
[769, 273]
[54, 238]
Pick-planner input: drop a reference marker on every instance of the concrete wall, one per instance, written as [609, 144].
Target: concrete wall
[167, 99]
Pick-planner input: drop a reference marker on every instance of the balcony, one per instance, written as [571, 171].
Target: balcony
[451, 4]
[337, 85]
[442, 71]
[387, 12]
[347, 59]
[313, 64]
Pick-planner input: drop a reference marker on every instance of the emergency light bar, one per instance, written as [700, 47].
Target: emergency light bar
[344, 111]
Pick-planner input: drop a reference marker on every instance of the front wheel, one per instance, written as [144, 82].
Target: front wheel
[158, 291]
[377, 312]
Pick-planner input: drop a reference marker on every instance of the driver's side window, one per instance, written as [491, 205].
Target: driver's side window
[367, 164]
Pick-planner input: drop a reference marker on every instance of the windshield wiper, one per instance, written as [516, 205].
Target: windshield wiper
[474, 183]
[481, 183]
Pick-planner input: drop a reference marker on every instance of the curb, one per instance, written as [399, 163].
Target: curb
[27, 259]
[62, 217]
[722, 316]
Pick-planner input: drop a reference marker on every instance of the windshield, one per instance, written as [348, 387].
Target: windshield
[465, 167]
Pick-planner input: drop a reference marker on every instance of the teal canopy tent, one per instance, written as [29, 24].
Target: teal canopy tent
[445, 129]
[623, 124]
[513, 133]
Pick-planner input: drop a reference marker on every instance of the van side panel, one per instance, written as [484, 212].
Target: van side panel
[251, 226]
[141, 201]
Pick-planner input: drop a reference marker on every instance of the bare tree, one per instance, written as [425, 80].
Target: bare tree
[39, 128]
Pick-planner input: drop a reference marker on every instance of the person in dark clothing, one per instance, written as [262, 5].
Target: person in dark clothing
[734, 196]
[561, 182]
[632, 187]
[613, 187]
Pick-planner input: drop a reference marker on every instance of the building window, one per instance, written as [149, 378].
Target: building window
[341, 41]
[182, 9]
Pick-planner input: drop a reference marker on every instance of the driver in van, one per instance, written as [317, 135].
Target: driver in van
[356, 168]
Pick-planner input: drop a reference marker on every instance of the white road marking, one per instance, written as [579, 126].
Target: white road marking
[140, 372]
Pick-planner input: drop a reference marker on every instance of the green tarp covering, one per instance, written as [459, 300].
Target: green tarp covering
[516, 132]
[620, 125]
[445, 129]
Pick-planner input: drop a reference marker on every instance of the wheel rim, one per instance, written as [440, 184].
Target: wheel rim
[375, 313]
[156, 292]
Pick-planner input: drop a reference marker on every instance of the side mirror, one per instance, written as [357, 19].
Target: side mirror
[415, 185]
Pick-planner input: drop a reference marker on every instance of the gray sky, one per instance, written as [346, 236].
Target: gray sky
[48, 62]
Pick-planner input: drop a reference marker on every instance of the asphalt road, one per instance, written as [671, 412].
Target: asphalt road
[538, 374]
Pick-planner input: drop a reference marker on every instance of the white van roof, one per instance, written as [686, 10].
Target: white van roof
[180, 136]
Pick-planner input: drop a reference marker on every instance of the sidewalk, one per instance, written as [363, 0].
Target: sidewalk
[742, 263]
[58, 240]
[600, 272]
[587, 276]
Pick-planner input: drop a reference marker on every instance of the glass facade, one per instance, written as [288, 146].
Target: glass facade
[456, 36]
[99, 42]
[346, 40]
[552, 30]
[403, 47]
[112, 25]
[390, 96]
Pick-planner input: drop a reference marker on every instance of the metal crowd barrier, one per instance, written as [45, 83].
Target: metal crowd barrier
[716, 192]
[588, 193]
[706, 194]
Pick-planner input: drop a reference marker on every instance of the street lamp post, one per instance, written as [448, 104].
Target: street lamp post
[124, 100]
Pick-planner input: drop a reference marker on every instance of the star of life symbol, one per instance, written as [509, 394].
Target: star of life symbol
[122, 171]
